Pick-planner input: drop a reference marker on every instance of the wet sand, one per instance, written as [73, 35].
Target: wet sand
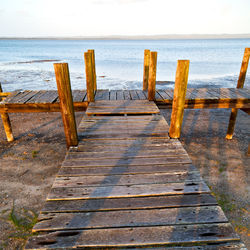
[29, 164]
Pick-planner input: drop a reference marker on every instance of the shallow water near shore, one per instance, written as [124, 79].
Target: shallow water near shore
[28, 64]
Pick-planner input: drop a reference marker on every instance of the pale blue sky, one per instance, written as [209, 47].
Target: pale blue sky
[122, 17]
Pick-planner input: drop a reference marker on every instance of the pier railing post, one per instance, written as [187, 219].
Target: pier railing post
[146, 69]
[152, 75]
[92, 52]
[240, 84]
[181, 80]
[66, 103]
[6, 123]
[89, 76]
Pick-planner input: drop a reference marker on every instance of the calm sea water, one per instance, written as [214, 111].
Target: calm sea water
[119, 63]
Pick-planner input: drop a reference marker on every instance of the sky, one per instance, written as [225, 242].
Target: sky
[32, 18]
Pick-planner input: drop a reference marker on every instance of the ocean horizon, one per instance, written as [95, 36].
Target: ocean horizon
[28, 63]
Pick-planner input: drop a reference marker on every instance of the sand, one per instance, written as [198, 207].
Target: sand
[29, 164]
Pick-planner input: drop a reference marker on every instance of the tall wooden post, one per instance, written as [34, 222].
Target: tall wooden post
[6, 123]
[66, 103]
[152, 75]
[240, 84]
[89, 76]
[93, 67]
[181, 80]
[146, 68]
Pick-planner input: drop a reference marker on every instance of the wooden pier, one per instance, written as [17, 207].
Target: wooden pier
[125, 182]
[196, 98]
[126, 185]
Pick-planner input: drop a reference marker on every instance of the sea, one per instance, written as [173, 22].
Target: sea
[28, 64]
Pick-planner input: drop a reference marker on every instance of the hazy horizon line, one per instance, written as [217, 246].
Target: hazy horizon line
[135, 37]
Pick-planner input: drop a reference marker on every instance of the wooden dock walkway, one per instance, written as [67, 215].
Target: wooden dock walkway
[48, 101]
[128, 185]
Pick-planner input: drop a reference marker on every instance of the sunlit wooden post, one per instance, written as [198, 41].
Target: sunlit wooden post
[152, 75]
[146, 69]
[181, 80]
[6, 123]
[93, 67]
[240, 84]
[89, 76]
[66, 103]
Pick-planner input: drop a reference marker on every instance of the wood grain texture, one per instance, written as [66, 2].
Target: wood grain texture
[116, 204]
[130, 218]
[137, 236]
[64, 193]
[146, 69]
[6, 122]
[89, 76]
[181, 80]
[152, 75]
[66, 103]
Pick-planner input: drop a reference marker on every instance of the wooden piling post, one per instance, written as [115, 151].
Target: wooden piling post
[146, 68]
[66, 103]
[6, 123]
[93, 67]
[181, 80]
[240, 84]
[152, 75]
[89, 76]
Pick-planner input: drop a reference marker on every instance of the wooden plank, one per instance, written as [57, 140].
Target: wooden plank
[167, 168]
[170, 93]
[124, 148]
[110, 111]
[162, 94]
[36, 98]
[64, 193]
[112, 95]
[123, 130]
[228, 94]
[139, 153]
[126, 161]
[123, 135]
[125, 179]
[131, 218]
[102, 94]
[78, 95]
[126, 95]
[119, 95]
[39, 107]
[18, 98]
[121, 103]
[11, 97]
[133, 95]
[24, 98]
[135, 142]
[141, 95]
[244, 92]
[137, 236]
[48, 97]
[123, 126]
[239, 93]
[193, 200]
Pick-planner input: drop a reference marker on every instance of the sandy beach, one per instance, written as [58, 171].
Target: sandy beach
[29, 164]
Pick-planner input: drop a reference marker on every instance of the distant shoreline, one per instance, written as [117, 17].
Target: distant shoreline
[149, 37]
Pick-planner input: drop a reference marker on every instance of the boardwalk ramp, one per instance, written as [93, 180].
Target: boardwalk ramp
[128, 185]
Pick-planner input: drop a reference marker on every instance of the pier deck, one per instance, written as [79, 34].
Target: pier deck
[127, 184]
[48, 101]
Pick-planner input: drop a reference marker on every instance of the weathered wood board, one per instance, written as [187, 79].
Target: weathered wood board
[127, 184]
